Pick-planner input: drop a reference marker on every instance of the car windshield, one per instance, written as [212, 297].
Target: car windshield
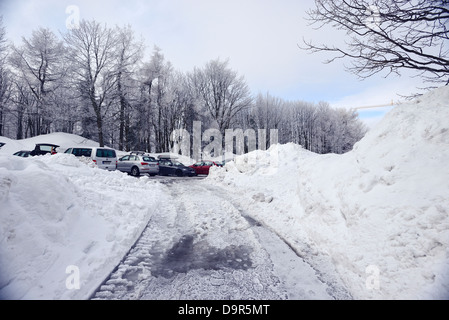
[177, 163]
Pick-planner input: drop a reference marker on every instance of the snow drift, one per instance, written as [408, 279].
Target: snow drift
[380, 213]
[56, 213]
[377, 217]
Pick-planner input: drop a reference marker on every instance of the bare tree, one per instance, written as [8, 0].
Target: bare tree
[387, 35]
[38, 64]
[5, 83]
[93, 52]
[129, 54]
[222, 92]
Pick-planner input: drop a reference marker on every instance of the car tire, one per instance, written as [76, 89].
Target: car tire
[179, 173]
[135, 172]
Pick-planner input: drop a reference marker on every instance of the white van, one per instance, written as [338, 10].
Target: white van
[104, 158]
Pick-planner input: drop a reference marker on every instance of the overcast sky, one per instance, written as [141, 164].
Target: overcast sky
[259, 37]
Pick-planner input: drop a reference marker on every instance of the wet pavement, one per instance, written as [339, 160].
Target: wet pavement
[201, 246]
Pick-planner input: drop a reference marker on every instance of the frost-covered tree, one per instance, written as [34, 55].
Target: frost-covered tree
[38, 63]
[155, 78]
[129, 55]
[221, 92]
[316, 127]
[93, 54]
[5, 79]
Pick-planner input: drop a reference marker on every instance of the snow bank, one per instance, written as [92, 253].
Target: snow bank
[64, 140]
[58, 217]
[380, 213]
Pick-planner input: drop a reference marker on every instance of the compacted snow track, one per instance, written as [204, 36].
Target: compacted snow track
[202, 246]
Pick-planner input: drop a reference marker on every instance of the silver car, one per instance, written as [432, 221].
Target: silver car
[137, 165]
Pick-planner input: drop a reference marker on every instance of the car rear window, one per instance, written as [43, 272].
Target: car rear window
[149, 159]
[46, 148]
[105, 153]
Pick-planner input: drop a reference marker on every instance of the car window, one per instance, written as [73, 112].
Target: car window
[125, 158]
[82, 152]
[149, 159]
[45, 148]
[69, 150]
[105, 153]
[133, 158]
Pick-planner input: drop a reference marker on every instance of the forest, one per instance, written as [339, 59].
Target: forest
[95, 81]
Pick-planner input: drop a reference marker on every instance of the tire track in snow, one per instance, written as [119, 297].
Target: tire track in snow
[195, 249]
[203, 246]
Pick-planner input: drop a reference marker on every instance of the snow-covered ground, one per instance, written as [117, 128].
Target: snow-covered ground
[379, 214]
[60, 217]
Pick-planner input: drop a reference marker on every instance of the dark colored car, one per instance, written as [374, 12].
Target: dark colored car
[169, 166]
[203, 167]
[44, 148]
[23, 154]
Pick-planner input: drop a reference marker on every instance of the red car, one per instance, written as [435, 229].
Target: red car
[202, 167]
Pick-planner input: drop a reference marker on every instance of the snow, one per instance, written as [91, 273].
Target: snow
[57, 212]
[380, 210]
[376, 217]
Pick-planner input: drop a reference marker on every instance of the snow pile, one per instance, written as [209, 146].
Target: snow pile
[59, 216]
[380, 213]
[64, 140]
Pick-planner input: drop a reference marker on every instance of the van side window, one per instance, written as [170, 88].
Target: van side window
[82, 152]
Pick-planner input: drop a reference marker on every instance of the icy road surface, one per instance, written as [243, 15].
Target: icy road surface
[201, 245]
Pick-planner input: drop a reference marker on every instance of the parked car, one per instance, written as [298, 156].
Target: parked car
[139, 164]
[142, 153]
[203, 167]
[44, 148]
[138, 152]
[104, 158]
[170, 166]
[22, 153]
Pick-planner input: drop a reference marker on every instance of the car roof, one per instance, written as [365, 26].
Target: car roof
[47, 144]
[167, 157]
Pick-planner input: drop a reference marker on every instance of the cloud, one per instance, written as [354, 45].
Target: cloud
[260, 38]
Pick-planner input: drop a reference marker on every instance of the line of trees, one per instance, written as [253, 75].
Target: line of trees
[94, 81]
